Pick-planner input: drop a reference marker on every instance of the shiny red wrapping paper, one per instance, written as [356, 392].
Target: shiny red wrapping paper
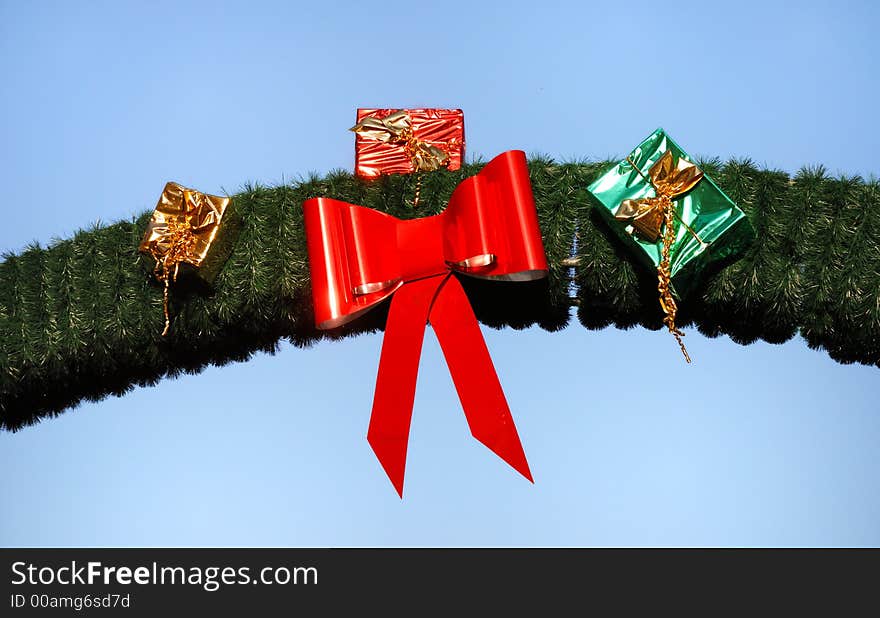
[443, 128]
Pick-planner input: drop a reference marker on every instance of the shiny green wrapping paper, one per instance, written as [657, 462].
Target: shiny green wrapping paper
[720, 224]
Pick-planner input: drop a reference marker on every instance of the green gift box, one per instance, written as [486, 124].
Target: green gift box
[708, 226]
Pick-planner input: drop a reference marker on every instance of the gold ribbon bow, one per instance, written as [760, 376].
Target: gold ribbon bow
[181, 230]
[396, 128]
[648, 214]
[669, 181]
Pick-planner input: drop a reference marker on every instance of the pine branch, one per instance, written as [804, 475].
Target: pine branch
[82, 319]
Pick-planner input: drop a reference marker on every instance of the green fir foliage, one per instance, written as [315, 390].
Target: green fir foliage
[82, 319]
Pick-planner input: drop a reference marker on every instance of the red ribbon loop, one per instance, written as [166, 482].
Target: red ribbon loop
[359, 257]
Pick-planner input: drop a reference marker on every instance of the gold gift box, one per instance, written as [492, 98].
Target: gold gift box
[190, 234]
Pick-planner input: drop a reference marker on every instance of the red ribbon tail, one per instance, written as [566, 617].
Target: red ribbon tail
[388, 434]
[473, 373]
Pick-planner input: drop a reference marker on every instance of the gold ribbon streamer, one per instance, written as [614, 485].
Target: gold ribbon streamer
[181, 230]
[396, 128]
[670, 181]
[181, 241]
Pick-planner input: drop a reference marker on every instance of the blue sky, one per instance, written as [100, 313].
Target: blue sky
[761, 445]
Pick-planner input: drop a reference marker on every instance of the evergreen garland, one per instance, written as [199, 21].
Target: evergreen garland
[82, 319]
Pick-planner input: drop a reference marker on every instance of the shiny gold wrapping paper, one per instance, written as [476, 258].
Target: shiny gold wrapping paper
[191, 234]
[194, 218]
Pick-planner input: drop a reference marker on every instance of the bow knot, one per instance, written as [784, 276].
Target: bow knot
[670, 180]
[649, 214]
[489, 230]
[396, 128]
[359, 257]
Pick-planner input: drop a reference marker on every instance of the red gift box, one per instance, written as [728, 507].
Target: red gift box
[392, 152]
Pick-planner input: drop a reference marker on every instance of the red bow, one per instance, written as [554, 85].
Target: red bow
[359, 256]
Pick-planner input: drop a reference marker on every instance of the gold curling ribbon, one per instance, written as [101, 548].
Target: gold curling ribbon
[647, 215]
[396, 128]
[181, 230]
